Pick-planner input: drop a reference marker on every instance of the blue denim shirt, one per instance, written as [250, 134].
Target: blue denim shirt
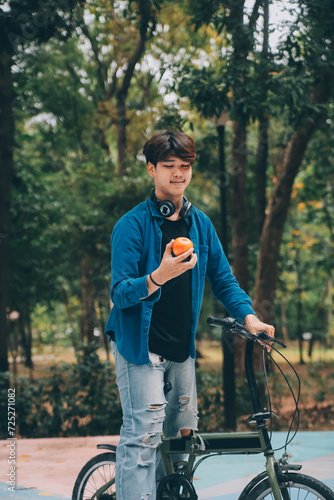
[136, 252]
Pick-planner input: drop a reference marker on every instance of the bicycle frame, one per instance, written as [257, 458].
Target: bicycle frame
[227, 443]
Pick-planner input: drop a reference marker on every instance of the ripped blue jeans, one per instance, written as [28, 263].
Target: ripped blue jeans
[147, 412]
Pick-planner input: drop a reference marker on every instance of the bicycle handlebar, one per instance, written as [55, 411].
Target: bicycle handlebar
[260, 415]
[231, 325]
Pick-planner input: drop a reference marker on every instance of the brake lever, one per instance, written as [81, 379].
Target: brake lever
[262, 335]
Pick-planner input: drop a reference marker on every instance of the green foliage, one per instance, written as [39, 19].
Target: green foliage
[306, 61]
[234, 77]
[82, 399]
[50, 325]
[26, 22]
[67, 194]
[315, 371]
[72, 400]
[210, 401]
[306, 261]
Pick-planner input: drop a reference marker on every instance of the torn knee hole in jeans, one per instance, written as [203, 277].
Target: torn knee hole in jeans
[184, 402]
[158, 420]
[156, 407]
[142, 462]
[150, 440]
[184, 405]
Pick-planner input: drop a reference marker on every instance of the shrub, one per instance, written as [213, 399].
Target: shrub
[73, 400]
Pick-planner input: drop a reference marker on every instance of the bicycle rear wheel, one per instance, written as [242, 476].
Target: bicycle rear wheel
[295, 486]
[94, 476]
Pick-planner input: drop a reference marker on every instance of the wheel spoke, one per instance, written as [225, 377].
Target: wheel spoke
[294, 486]
[99, 471]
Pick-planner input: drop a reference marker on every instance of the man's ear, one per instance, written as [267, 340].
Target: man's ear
[150, 169]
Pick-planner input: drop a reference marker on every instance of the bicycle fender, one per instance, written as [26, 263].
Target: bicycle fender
[263, 475]
[251, 485]
[110, 447]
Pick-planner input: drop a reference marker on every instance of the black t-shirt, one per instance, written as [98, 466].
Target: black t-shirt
[170, 330]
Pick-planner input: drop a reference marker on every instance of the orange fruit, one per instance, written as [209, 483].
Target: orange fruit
[181, 245]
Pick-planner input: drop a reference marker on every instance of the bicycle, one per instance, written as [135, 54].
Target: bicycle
[280, 480]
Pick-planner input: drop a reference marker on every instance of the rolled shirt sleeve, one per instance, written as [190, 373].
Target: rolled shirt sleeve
[128, 287]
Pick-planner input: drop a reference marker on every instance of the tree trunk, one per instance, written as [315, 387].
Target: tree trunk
[228, 368]
[88, 292]
[222, 187]
[242, 47]
[261, 162]
[261, 174]
[29, 362]
[229, 382]
[70, 318]
[104, 341]
[330, 306]
[270, 241]
[239, 156]
[26, 338]
[238, 205]
[121, 133]
[285, 332]
[239, 222]
[299, 307]
[145, 12]
[6, 162]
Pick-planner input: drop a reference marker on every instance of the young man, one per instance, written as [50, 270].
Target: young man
[156, 305]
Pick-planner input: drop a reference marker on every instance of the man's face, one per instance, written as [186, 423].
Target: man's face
[171, 177]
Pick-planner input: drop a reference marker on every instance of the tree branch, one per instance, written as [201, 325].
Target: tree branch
[95, 48]
[144, 13]
[255, 15]
[112, 87]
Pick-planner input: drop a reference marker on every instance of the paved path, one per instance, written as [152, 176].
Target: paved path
[48, 467]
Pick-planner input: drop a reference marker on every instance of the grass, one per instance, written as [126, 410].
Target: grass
[213, 356]
[210, 352]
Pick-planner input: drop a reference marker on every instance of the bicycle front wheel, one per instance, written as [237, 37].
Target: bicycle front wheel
[294, 487]
[96, 480]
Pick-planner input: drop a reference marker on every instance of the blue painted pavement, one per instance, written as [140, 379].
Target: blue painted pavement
[218, 477]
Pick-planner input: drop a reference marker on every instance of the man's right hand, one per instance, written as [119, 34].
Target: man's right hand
[171, 267]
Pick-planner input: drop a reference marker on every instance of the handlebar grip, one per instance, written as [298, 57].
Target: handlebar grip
[221, 322]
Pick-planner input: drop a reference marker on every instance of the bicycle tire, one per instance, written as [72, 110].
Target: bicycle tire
[97, 472]
[294, 486]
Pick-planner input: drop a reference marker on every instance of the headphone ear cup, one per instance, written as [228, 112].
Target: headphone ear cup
[186, 207]
[166, 208]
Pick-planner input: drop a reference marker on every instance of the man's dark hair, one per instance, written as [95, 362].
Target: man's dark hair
[167, 143]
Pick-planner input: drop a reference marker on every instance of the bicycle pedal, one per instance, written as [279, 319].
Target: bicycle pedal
[180, 467]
